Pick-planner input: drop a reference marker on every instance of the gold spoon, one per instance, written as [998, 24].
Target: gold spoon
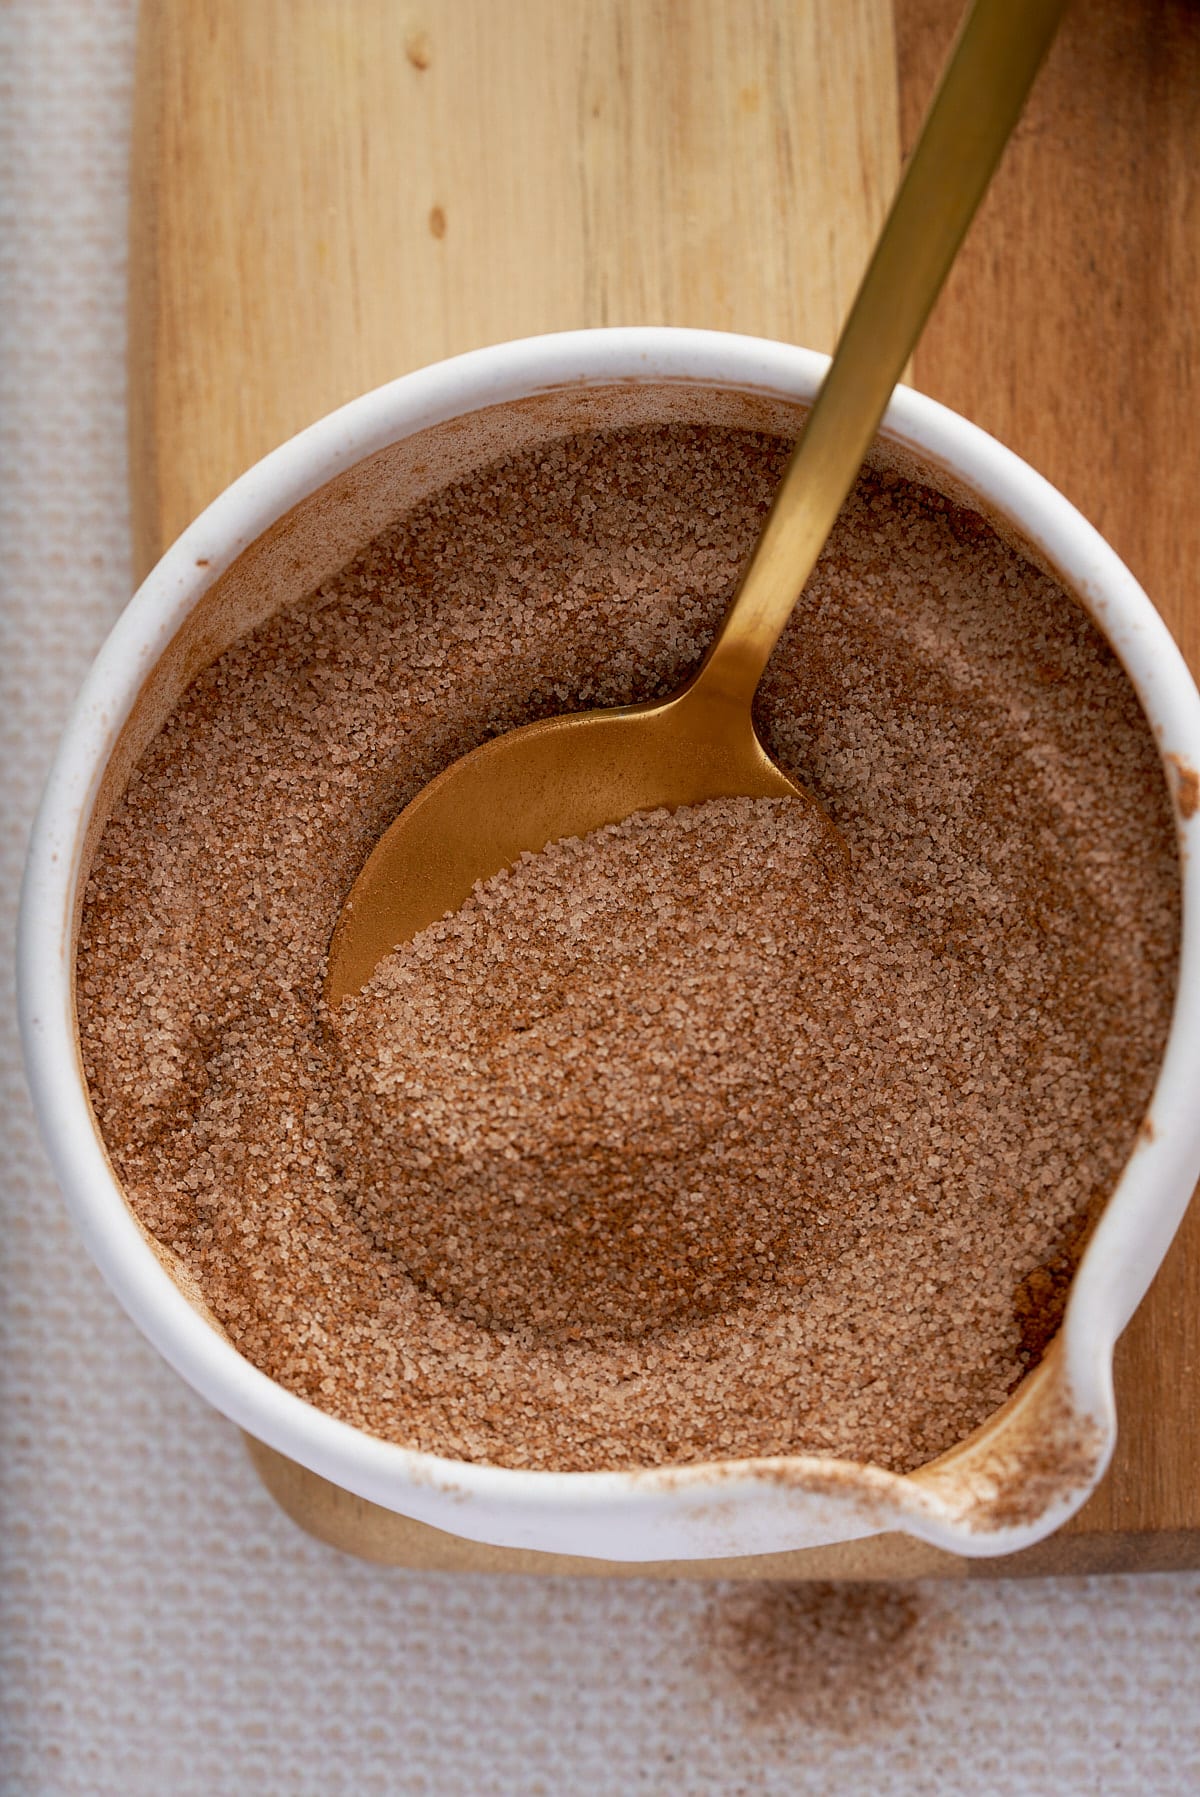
[568, 775]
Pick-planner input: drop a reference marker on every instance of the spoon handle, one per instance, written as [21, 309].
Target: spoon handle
[995, 59]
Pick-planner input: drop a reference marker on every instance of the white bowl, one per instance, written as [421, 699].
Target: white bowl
[289, 522]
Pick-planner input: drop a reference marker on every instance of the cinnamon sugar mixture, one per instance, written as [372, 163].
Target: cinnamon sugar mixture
[698, 1137]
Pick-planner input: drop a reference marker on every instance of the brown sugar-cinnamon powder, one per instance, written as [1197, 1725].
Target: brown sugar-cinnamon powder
[695, 1138]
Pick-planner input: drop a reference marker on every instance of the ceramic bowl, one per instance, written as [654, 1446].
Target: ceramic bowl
[271, 537]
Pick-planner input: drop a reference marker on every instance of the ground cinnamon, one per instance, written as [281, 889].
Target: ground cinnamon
[688, 1140]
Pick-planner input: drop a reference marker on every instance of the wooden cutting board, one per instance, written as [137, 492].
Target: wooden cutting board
[327, 193]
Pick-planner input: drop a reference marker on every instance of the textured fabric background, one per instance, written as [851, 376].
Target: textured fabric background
[164, 1630]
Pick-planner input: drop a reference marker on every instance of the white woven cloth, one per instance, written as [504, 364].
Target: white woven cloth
[165, 1631]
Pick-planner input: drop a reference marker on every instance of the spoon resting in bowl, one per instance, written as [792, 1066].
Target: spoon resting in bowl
[568, 775]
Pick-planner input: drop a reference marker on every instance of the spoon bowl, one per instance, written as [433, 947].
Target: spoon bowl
[562, 776]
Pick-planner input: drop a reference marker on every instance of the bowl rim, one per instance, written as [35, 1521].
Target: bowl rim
[526, 1507]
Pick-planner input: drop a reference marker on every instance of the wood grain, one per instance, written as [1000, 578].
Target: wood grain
[1068, 328]
[326, 195]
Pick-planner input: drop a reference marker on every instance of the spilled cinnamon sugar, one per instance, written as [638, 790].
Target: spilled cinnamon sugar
[843, 1660]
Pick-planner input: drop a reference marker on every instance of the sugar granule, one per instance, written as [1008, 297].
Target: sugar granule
[692, 1139]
